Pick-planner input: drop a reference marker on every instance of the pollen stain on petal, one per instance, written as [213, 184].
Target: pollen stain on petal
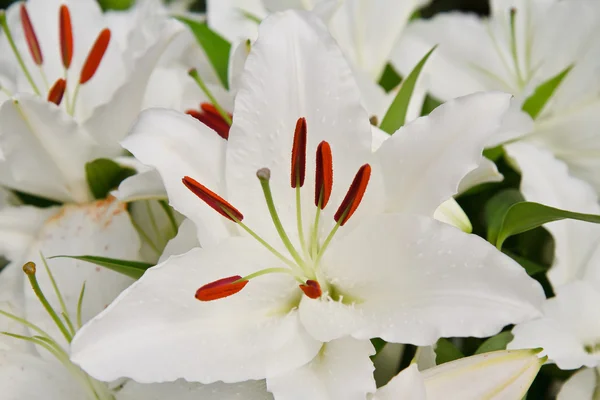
[323, 175]
[212, 199]
[299, 154]
[354, 196]
[31, 37]
[94, 58]
[66, 36]
[56, 93]
[221, 288]
[312, 289]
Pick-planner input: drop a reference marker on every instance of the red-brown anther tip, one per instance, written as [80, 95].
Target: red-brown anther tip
[210, 117]
[324, 175]
[30, 36]
[66, 36]
[312, 289]
[299, 154]
[94, 58]
[220, 289]
[212, 199]
[57, 91]
[354, 195]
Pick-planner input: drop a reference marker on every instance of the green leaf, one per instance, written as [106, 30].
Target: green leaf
[445, 352]
[531, 267]
[115, 4]
[496, 209]
[379, 344]
[215, 46]
[430, 104]
[133, 269]
[104, 175]
[390, 78]
[536, 102]
[524, 216]
[498, 342]
[494, 153]
[33, 200]
[396, 114]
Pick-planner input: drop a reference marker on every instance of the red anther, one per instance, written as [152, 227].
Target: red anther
[299, 153]
[30, 36]
[324, 175]
[57, 91]
[210, 117]
[66, 36]
[312, 289]
[95, 56]
[220, 289]
[354, 195]
[212, 199]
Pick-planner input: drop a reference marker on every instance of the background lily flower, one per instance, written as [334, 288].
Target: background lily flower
[298, 288]
[516, 50]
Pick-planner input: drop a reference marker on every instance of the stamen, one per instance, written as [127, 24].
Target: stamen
[324, 175]
[312, 289]
[299, 154]
[513, 43]
[55, 95]
[196, 77]
[221, 288]
[66, 36]
[31, 37]
[30, 270]
[213, 200]
[209, 116]
[95, 56]
[354, 195]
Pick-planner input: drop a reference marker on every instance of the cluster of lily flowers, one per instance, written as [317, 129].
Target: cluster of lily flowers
[267, 201]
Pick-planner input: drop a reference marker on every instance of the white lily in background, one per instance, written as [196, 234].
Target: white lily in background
[46, 145]
[518, 48]
[317, 283]
[498, 375]
[569, 333]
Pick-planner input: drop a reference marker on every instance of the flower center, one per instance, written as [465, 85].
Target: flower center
[58, 91]
[302, 264]
[94, 389]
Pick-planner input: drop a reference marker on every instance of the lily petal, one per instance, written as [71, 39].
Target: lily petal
[182, 390]
[421, 284]
[580, 385]
[251, 335]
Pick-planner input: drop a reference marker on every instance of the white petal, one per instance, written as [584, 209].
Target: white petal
[19, 227]
[419, 280]
[408, 384]
[504, 375]
[341, 370]
[144, 185]
[178, 145]
[250, 335]
[379, 137]
[111, 122]
[546, 180]
[12, 300]
[451, 213]
[294, 70]
[580, 385]
[425, 161]
[154, 226]
[227, 17]
[571, 321]
[182, 390]
[102, 229]
[367, 30]
[484, 173]
[44, 149]
[24, 376]
[185, 240]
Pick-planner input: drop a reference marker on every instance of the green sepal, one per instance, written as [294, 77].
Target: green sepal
[542, 94]
[104, 175]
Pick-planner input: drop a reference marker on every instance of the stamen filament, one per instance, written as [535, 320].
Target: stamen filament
[61, 300]
[315, 232]
[264, 176]
[80, 306]
[15, 50]
[299, 220]
[271, 271]
[74, 100]
[513, 45]
[29, 269]
[194, 74]
[329, 237]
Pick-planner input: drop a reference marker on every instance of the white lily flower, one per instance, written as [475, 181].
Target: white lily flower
[391, 271]
[515, 50]
[498, 375]
[547, 180]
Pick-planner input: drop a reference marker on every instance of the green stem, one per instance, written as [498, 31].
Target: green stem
[194, 74]
[13, 46]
